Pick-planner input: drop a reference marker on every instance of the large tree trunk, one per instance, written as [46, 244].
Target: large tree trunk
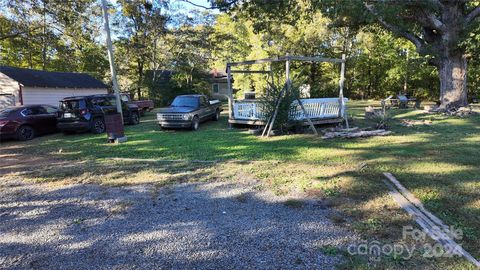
[140, 78]
[453, 81]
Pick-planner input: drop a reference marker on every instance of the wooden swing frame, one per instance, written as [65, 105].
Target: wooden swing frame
[287, 59]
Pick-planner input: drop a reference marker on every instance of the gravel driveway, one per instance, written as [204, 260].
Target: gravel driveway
[193, 225]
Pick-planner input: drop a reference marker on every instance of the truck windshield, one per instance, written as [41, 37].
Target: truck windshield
[185, 102]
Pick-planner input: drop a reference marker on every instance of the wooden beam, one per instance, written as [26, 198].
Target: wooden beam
[279, 100]
[250, 71]
[341, 112]
[247, 122]
[429, 226]
[303, 123]
[314, 59]
[230, 93]
[253, 62]
[286, 58]
[308, 118]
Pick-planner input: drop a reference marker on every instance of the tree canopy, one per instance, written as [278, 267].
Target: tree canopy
[420, 48]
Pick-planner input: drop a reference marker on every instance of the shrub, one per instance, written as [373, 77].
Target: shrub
[381, 119]
[269, 101]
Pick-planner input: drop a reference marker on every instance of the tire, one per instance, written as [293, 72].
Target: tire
[25, 133]
[195, 123]
[216, 116]
[98, 126]
[134, 118]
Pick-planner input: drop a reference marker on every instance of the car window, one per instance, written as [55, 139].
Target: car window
[203, 101]
[99, 102]
[125, 98]
[27, 112]
[112, 101]
[50, 109]
[39, 110]
[104, 101]
[33, 111]
[74, 104]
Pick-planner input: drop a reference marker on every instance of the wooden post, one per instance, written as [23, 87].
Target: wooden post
[276, 109]
[273, 85]
[285, 89]
[310, 123]
[341, 112]
[230, 93]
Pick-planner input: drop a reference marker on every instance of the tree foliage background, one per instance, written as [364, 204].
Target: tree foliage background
[163, 50]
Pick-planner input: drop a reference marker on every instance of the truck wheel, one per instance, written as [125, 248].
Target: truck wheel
[216, 116]
[134, 118]
[25, 133]
[195, 123]
[98, 126]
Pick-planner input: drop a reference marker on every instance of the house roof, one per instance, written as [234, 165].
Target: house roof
[39, 78]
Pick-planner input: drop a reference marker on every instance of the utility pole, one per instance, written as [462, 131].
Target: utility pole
[116, 89]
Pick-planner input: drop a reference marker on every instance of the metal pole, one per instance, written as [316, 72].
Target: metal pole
[116, 89]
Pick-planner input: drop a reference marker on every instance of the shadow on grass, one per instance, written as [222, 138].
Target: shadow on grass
[438, 163]
[200, 225]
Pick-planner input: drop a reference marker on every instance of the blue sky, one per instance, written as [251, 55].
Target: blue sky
[197, 2]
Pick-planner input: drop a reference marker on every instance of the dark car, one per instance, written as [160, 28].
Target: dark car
[26, 122]
[187, 111]
[86, 113]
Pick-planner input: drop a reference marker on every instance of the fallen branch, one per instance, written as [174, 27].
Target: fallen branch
[163, 160]
[356, 134]
[411, 123]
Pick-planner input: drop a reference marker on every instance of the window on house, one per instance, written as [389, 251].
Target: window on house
[215, 87]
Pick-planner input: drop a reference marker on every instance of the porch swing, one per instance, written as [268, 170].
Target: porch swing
[309, 111]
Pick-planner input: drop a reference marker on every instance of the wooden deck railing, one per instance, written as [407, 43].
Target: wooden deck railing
[316, 108]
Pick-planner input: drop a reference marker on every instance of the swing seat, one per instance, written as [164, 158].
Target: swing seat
[320, 110]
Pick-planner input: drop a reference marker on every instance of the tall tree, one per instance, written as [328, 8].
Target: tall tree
[52, 35]
[437, 28]
[141, 23]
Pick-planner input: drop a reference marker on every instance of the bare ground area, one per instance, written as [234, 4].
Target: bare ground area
[189, 224]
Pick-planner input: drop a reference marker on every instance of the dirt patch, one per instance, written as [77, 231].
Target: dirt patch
[14, 162]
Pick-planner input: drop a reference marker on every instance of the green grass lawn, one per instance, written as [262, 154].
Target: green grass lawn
[439, 163]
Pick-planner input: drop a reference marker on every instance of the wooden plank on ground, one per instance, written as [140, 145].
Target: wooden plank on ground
[427, 224]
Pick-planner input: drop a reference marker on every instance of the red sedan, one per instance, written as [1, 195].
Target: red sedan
[25, 122]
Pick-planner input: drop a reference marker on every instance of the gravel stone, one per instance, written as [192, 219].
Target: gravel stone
[214, 225]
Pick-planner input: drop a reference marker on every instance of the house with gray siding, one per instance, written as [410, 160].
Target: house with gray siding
[21, 86]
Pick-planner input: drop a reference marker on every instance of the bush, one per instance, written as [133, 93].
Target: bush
[269, 101]
[381, 118]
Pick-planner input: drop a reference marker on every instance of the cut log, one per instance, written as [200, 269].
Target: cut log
[356, 134]
[411, 123]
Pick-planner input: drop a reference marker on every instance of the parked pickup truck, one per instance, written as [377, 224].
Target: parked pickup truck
[143, 105]
[187, 111]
